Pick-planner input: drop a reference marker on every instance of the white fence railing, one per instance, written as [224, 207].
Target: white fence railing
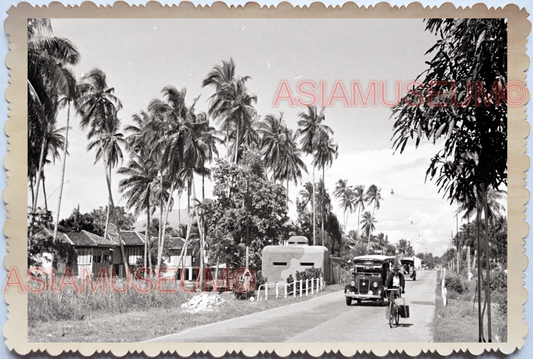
[294, 289]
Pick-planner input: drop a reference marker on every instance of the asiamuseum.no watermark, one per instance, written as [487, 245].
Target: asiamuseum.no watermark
[435, 93]
[242, 280]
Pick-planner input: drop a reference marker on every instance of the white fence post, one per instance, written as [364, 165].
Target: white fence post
[266, 291]
[285, 289]
[312, 285]
[277, 292]
[294, 289]
[443, 286]
[307, 286]
[301, 287]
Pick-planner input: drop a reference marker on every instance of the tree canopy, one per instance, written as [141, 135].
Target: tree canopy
[460, 101]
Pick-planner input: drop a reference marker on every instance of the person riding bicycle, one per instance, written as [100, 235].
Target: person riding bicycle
[396, 280]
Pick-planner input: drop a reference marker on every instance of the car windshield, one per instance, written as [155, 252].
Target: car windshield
[368, 266]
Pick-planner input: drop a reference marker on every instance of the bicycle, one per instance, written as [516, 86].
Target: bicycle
[392, 308]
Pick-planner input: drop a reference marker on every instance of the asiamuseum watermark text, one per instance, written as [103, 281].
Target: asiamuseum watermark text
[144, 280]
[434, 94]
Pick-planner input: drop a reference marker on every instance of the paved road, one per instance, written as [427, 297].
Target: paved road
[326, 319]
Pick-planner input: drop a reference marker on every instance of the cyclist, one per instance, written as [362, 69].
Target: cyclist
[396, 280]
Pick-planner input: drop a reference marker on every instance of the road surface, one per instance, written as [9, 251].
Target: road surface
[326, 319]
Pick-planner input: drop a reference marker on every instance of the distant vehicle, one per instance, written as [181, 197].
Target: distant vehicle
[409, 266]
[368, 279]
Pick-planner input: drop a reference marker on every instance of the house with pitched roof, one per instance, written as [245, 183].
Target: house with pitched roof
[92, 253]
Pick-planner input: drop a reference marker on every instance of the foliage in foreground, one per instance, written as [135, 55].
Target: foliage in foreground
[458, 320]
[77, 305]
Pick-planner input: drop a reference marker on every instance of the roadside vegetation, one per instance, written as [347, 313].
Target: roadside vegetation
[131, 316]
[163, 151]
[458, 320]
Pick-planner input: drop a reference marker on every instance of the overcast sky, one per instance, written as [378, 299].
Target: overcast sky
[141, 56]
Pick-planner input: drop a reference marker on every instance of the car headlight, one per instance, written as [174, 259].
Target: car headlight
[352, 283]
[375, 285]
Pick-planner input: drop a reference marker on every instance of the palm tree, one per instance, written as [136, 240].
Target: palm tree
[232, 106]
[373, 196]
[344, 194]
[291, 165]
[359, 202]
[48, 80]
[56, 142]
[368, 226]
[280, 150]
[66, 100]
[138, 189]
[310, 130]
[273, 131]
[109, 144]
[326, 152]
[98, 107]
[405, 249]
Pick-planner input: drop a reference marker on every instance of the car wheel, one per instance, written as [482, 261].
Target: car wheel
[348, 301]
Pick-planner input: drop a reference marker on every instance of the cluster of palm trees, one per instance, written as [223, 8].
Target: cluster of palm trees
[51, 86]
[355, 199]
[464, 241]
[316, 140]
[167, 144]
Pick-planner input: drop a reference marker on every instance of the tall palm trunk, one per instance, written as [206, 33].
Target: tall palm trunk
[44, 193]
[38, 181]
[115, 217]
[201, 232]
[237, 145]
[107, 212]
[313, 207]
[147, 233]
[39, 174]
[107, 219]
[480, 317]
[487, 288]
[56, 224]
[287, 194]
[167, 211]
[323, 209]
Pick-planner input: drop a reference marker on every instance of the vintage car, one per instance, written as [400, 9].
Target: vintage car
[369, 275]
[409, 267]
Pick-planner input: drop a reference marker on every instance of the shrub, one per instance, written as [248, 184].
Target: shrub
[455, 282]
[309, 273]
[498, 282]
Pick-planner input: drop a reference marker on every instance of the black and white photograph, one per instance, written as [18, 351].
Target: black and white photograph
[268, 180]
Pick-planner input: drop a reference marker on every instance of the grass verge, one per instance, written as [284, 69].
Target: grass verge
[458, 320]
[136, 325]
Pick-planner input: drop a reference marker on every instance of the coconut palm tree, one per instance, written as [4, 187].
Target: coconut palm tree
[368, 221]
[273, 132]
[98, 108]
[48, 80]
[373, 196]
[359, 202]
[232, 106]
[344, 194]
[168, 136]
[280, 150]
[138, 189]
[326, 151]
[291, 165]
[67, 101]
[310, 131]
[109, 144]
